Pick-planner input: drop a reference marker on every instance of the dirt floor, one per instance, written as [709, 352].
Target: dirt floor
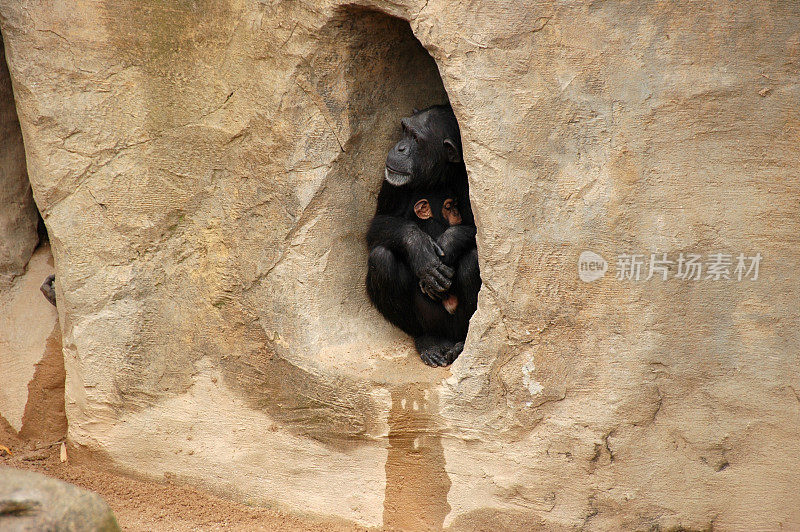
[151, 506]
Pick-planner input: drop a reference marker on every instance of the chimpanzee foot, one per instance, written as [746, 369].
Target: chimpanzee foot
[48, 289]
[433, 351]
[453, 352]
[450, 303]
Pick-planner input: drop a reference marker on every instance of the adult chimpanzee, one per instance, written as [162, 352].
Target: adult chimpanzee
[423, 263]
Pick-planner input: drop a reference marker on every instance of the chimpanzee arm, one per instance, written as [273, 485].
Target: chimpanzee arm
[403, 237]
[456, 241]
[415, 247]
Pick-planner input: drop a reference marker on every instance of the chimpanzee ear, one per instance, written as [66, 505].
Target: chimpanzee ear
[452, 152]
[423, 209]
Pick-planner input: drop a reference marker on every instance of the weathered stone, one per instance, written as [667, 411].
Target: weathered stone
[18, 215]
[32, 390]
[207, 171]
[33, 502]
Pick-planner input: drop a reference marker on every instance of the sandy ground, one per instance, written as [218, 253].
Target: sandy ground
[151, 506]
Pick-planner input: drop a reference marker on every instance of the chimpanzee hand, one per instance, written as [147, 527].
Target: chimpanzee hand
[425, 260]
[434, 279]
[456, 241]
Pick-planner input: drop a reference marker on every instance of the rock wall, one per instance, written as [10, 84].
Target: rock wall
[18, 215]
[207, 171]
[32, 382]
[32, 391]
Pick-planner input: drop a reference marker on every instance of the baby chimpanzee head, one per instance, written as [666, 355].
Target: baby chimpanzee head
[443, 211]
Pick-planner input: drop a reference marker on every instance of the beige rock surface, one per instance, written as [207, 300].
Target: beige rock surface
[207, 171]
[30, 338]
[18, 217]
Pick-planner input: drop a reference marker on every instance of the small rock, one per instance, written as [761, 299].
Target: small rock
[30, 501]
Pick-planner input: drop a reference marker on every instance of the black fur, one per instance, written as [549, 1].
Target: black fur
[413, 265]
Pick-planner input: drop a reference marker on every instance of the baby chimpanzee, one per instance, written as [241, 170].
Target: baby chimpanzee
[434, 214]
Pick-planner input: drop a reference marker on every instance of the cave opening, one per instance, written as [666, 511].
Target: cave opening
[368, 71]
[364, 72]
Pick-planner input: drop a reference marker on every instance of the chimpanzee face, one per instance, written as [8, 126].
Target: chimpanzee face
[450, 212]
[430, 141]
